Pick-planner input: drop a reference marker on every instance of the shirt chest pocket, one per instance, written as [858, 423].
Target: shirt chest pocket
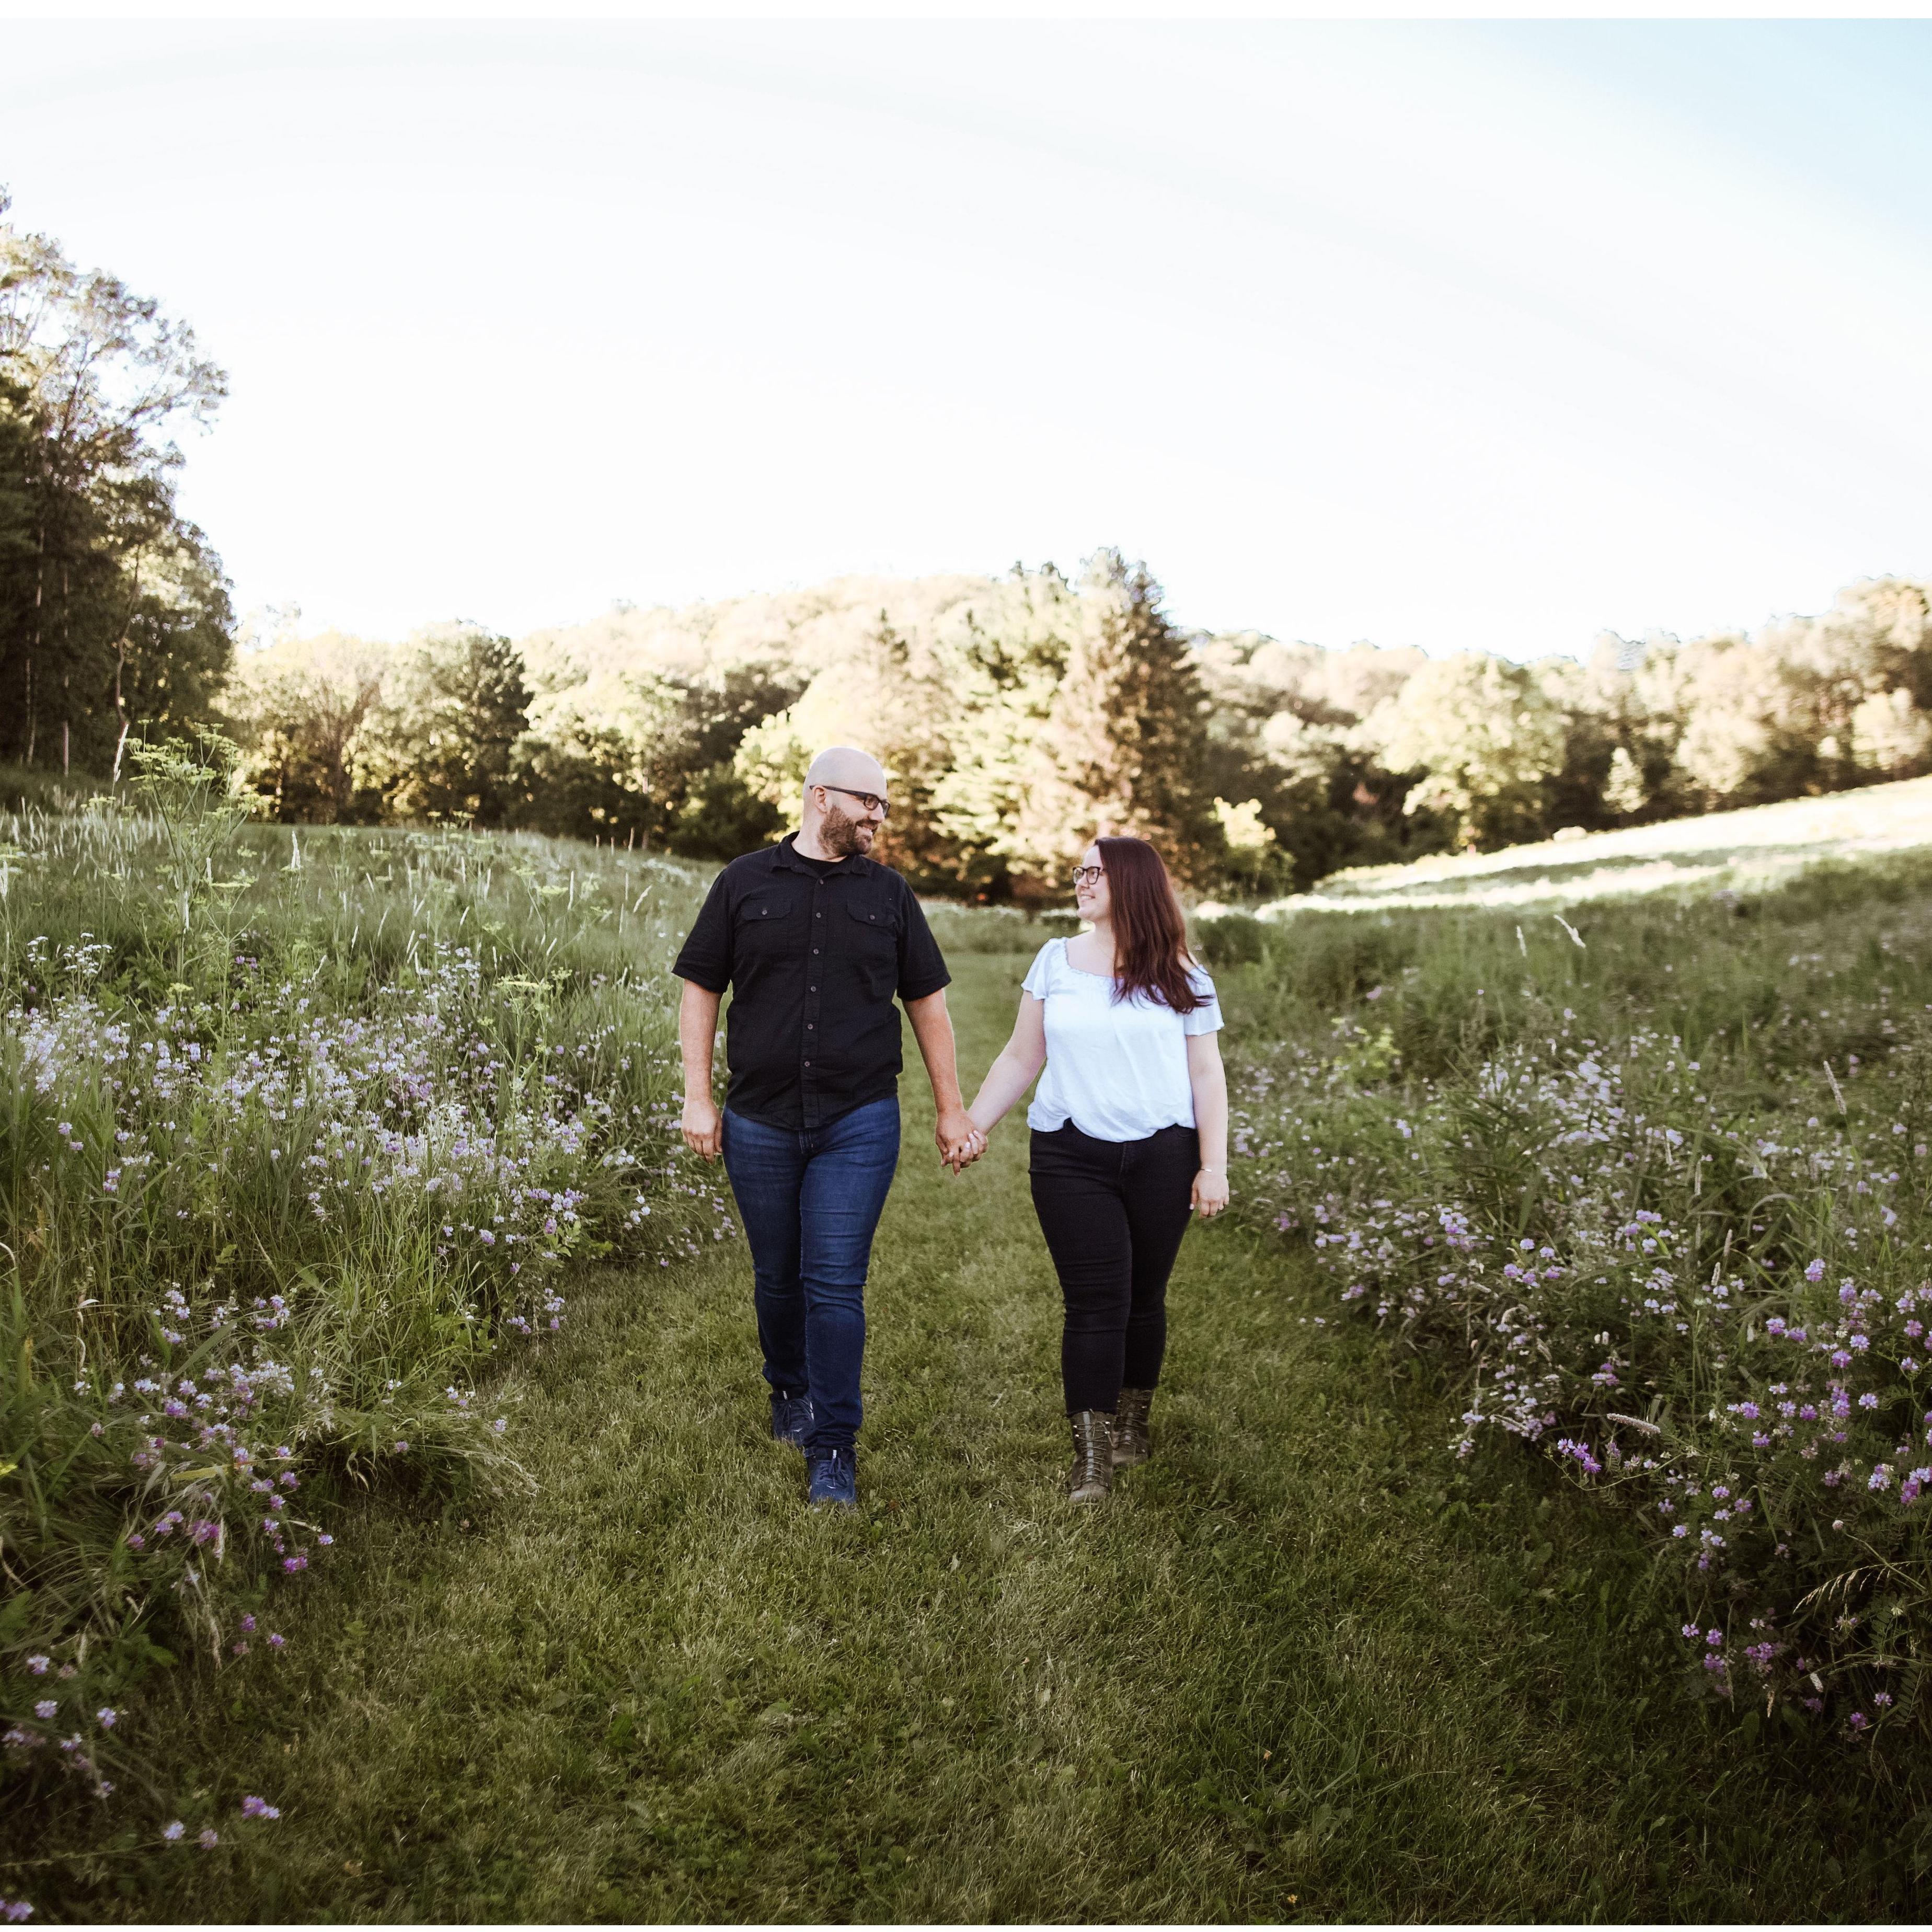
[765, 926]
[871, 939]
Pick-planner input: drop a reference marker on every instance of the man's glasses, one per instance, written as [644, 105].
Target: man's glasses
[870, 800]
[1085, 875]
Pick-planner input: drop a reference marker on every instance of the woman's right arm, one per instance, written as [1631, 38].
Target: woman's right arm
[1017, 1067]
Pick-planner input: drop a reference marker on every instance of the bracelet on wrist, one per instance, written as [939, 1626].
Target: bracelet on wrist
[1213, 1170]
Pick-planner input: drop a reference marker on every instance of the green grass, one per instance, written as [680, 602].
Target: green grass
[294, 1134]
[1302, 1666]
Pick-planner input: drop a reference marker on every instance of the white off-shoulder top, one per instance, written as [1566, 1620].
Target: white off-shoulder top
[1116, 1069]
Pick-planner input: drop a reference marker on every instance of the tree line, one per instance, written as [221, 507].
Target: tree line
[1016, 714]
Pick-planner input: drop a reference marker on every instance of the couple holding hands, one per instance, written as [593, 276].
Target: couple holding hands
[1129, 1125]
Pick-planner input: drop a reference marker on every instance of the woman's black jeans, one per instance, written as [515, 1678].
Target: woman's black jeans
[1113, 1213]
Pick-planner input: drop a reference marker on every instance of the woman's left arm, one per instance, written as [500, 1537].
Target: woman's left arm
[1209, 1080]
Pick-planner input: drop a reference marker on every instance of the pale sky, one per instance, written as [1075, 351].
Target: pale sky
[1462, 336]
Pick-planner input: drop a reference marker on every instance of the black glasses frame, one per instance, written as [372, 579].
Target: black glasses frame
[870, 800]
[1083, 873]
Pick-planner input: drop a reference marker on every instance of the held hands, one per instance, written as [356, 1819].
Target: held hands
[703, 1126]
[1210, 1193]
[960, 1141]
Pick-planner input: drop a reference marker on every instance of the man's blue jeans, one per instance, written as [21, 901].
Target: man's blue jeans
[810, 1201]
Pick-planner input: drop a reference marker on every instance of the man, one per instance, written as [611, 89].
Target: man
[815, 939]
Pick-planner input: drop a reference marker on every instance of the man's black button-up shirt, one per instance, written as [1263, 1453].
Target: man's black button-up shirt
[814, 955]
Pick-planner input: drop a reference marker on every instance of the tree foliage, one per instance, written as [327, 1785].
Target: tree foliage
[1487, 738]
[114, 612]
[299, 705]
[445, 736]
[1017, 716]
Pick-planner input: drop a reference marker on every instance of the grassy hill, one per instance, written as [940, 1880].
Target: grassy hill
[1737, 851]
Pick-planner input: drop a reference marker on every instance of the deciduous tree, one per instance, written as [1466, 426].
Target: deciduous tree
[1485, 739]
[114, 615]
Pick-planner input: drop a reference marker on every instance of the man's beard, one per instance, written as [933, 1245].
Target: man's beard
[843, 836]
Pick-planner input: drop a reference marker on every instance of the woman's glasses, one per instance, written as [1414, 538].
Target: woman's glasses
[1086, 875]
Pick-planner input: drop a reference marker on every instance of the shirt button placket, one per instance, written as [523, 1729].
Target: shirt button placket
[808, 1095]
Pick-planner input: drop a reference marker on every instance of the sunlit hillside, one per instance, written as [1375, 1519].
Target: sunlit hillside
[1733, 849]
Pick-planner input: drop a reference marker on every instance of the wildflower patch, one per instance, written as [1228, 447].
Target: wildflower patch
[1698, 1279]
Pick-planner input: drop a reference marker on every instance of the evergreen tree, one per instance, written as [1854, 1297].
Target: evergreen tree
[1124, 749]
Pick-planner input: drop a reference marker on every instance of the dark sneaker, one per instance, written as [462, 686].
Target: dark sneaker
[791, 1419]
[834, 1482]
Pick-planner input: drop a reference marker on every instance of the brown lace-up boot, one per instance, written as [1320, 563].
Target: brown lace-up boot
[1092, 1475]
[1130, 1429]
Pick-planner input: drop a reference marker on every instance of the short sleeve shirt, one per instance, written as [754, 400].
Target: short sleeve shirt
[814, 956]
[1116, 1069]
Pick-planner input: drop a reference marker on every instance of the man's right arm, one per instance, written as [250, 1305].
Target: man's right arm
[704, 965]
[697, 1033]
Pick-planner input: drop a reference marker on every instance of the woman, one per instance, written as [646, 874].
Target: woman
[1129, 1136]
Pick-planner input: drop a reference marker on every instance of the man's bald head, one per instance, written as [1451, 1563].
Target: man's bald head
[837, 823]
[846, 765]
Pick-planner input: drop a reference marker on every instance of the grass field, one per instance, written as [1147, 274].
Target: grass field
[1303, 1666]
[1310, 1663]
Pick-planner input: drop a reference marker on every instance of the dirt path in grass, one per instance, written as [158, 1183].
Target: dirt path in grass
[1287, 1672]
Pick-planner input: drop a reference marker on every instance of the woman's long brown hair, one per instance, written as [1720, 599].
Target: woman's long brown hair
[1150, 935]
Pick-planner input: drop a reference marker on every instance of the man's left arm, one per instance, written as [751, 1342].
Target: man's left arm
[954, 1133]
[923, 981]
